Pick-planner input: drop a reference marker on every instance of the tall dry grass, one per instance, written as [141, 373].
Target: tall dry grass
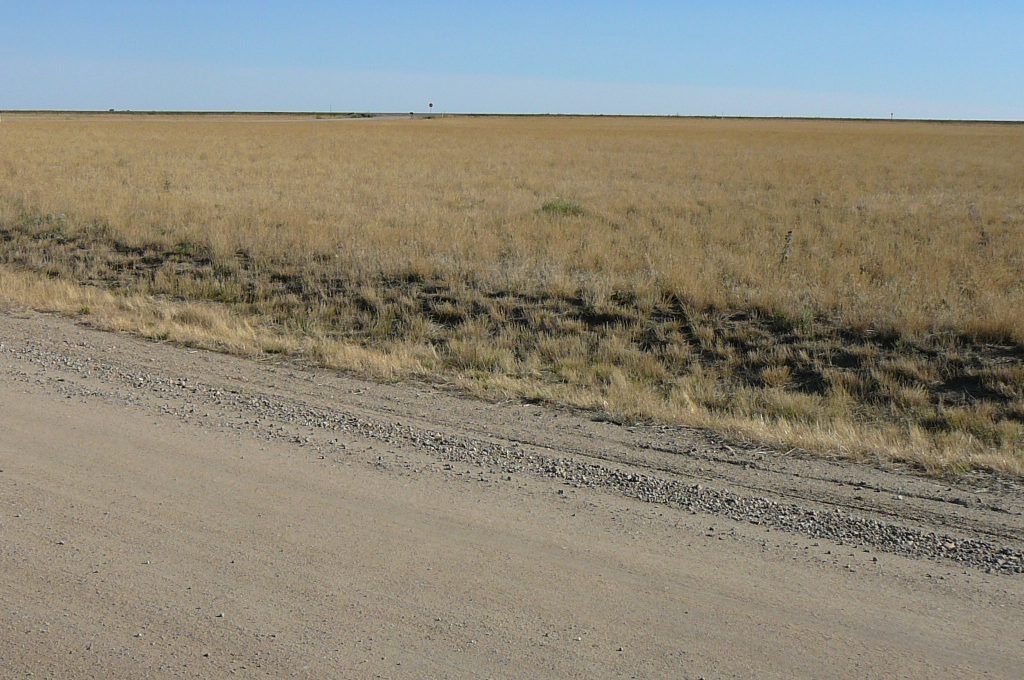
[847, 286]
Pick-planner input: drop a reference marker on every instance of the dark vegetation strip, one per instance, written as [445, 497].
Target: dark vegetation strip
[945, 383]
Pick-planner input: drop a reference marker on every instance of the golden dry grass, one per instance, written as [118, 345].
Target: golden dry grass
[637, 267]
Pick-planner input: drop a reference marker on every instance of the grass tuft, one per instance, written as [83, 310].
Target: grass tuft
[561, 207]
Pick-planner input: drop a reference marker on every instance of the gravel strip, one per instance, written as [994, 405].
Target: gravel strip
[831, 524]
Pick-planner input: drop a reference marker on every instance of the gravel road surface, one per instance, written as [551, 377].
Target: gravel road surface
[171, 512]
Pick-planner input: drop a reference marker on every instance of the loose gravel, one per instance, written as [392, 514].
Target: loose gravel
[270, 417]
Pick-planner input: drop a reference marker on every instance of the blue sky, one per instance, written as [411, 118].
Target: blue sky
[915, 59]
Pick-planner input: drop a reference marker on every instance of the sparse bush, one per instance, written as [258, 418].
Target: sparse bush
[563, 208]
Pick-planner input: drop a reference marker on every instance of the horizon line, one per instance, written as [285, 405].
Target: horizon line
[464, 114]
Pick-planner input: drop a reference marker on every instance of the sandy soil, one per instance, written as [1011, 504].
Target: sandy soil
[172, 512]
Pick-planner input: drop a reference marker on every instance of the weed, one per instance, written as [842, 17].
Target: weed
[563, 208]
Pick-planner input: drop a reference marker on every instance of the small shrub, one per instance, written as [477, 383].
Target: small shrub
[563, 208]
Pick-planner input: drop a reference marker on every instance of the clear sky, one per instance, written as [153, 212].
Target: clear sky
[935, 59]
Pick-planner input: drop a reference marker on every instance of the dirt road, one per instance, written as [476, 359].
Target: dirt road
[173, 512]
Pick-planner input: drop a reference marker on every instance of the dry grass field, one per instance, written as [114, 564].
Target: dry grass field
[849, 288]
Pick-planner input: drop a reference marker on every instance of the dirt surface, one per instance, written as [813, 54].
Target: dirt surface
[166, 511]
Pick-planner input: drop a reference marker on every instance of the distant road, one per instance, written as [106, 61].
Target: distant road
[176, 513]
